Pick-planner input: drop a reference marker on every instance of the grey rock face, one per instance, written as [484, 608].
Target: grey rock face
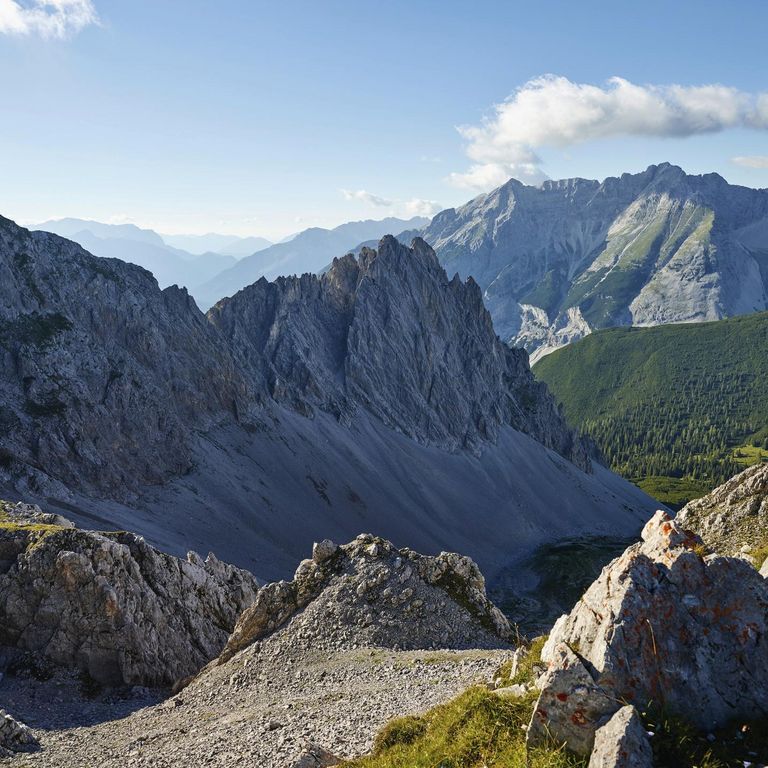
[122, 401]
[734, 516]
[640, 249]
[14, 736]
[104, 377]
[113, 606]
[622, 742]
[388, 332]
[662, 626]
[308, 252]
[370, 594]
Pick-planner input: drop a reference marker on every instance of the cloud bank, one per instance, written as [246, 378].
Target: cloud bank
[407, 208]
[751, 161]
[47, 18]
[552, 111]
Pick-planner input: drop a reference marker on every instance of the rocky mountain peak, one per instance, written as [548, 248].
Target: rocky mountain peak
[638, 249]
[389, 333]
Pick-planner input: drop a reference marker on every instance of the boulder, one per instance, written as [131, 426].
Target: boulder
[315, 756]
[662, 626]
[571, 705]
[622, 742]
[14, 736]
[115, 607]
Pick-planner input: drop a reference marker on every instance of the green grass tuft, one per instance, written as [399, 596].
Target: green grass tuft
[477, 729]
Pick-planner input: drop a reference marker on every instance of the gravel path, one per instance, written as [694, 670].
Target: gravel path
[259, 709]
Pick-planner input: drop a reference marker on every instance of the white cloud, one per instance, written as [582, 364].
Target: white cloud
[553, 111]
[416, 207]
[366, 197]
[47, 18]
[751, 161]
[403, 208]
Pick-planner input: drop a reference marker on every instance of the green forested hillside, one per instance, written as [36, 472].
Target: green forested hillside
[676, 408]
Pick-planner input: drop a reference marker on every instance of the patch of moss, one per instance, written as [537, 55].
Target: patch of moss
[35, 329]
[759, 554]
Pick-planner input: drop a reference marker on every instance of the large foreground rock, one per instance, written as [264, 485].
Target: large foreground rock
[660, 627]
[112, 605]
[368, 593]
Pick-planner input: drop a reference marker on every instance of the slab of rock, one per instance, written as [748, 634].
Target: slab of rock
[571, 704]
[115, 607]
[369, 593]
[663, 626]
[622, 742]
[14, 736]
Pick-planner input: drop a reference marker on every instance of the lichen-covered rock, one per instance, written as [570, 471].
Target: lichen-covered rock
[734, 515]
[571, 705]
[369, 593]
[14, 736]
[114, 606]
[664, 627]
[622, 742]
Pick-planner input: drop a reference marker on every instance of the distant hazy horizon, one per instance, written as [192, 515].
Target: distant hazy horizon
[271, 118]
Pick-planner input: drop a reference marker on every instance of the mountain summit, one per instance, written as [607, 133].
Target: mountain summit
[565, 258]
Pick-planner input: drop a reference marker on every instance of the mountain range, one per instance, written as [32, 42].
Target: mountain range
[376, 397]
[560, 260]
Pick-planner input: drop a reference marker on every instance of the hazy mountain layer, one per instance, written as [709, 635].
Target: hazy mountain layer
[308, 251]
[143, 247]
[571, 256]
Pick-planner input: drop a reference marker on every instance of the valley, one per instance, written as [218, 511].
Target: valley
[678, 409]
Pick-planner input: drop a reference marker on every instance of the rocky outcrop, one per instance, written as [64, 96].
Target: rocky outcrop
[389, 333]
[104, 378]
[369, 593]
[662, 627]
[655, 247]
[622, 742]
[732, 519]
[113, 606]
[14, 736]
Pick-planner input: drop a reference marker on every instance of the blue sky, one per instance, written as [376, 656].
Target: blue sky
[265, 118]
